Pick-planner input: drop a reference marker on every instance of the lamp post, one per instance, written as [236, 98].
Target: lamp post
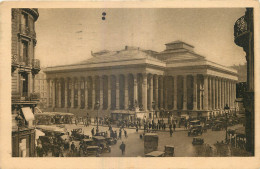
[226, 108]
[97, 107]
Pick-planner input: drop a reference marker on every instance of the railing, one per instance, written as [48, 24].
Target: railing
[25, 62]
[24, 29]
[36, 63]
[240, 27]
[35, 96]
[14, 63]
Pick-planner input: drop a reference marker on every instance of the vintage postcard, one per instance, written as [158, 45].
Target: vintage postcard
[112, 84]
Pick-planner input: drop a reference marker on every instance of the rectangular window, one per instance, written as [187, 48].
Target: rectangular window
[24, 51]
[24, 20]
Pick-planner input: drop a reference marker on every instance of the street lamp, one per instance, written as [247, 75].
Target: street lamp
[226, 108]
[97, 107]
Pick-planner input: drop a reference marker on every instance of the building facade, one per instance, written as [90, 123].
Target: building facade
[244, 37]
[24, 68]
[41, 88]
[174, 82]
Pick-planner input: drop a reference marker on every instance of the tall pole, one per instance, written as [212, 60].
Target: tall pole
[97, 106]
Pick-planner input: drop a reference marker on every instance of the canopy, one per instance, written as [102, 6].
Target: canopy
[52, 128]
[99, 137]
[37, 110]
[38, 133]
[28, 114]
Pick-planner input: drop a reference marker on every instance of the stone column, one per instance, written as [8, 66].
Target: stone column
[109, 92]
[222, 93]
[79, 93]
[213, 93]
[144, 92]
[205, 98]
[151, 93]
[135, 89]
[93, 92]
[175, 92]
[184, 92]
[117, 92]
[53, 93]
[72, 93]
[161, 91]
[86, 93]
[228, 94]
[165, 80]
[195, 105]
[48, 92]
[217, 94]
[156, 92]
[231, 94]
[101, 99]
[210, 93]
[126, 92]
[66, 93]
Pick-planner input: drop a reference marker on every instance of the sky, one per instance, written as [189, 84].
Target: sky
[67, 36]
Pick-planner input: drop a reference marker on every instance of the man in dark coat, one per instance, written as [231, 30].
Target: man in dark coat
[92, 132]
[122, 148]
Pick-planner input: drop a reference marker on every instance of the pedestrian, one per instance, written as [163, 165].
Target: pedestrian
[122, 148]
[171, 132]
[92, 131]
[72, 146]
[39, 150]
[136, 129]
[174, 126]
[125, 133]
[120, 134]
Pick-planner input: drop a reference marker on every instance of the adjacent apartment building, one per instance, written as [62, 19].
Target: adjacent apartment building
[24, 68]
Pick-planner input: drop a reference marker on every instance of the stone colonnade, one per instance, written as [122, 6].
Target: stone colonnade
[126, 91]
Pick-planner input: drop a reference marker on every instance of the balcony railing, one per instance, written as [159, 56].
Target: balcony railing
[36, 63]
[35, 96]
[25, 62]
[240, 29]
[25, 96]
[14, 63]
[25, 30]
[36, 67]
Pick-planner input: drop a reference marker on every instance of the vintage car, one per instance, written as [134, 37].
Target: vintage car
[194, 123]
[89, 142]
[77, 134]
[93, 151]
[218, 126]
[169, 151]
[111, 140]
[195, 130]
[101, 142]
[155, 154]
[197, 141]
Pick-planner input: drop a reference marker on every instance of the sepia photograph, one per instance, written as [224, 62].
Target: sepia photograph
[114, 85]
[165, 82]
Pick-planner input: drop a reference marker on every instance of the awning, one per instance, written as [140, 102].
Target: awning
[38, 133]
[27, 112]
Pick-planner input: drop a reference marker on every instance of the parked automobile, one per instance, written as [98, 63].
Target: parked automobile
[195, 130]
[101, 142]
[197, 141]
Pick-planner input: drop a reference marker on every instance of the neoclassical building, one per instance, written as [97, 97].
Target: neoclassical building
[178, 81]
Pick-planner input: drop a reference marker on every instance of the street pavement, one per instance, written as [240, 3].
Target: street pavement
[180, 140]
